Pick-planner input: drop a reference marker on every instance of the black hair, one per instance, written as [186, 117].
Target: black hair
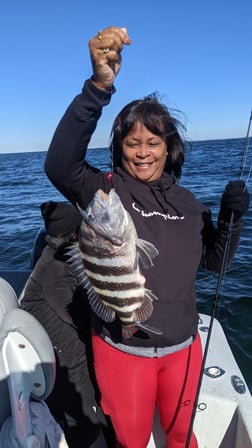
[156, 117]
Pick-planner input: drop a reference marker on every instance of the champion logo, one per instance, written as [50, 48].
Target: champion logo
[166, 216]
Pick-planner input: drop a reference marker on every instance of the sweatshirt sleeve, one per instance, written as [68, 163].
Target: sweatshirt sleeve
[65, 161]
[59, 285]
[217, 240]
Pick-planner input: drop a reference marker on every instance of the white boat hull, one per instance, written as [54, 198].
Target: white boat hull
[224, 416]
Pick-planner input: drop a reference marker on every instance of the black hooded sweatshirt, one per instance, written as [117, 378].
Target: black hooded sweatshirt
[164, 213]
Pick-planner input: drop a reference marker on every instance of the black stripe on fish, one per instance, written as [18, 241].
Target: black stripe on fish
[113, 285]
[105, 269]
[87, 249]
[117, 302]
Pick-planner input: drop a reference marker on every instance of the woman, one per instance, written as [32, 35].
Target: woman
[147, 369]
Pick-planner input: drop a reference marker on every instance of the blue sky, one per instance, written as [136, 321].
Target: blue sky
[196, 54]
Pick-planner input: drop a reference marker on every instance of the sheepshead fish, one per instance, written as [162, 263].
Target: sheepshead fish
[107, 260]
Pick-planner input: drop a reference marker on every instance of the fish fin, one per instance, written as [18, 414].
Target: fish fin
[99, 308]
[148, 328]
[146, 251]
[146, 309]
[150, 295]
[75, 262]
[73, 250]
[128, 331]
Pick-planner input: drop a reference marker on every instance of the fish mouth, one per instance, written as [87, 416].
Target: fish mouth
[100, 194]
[104, 227]
[100, 197]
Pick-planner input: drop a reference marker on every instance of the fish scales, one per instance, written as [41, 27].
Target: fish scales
[107, 261]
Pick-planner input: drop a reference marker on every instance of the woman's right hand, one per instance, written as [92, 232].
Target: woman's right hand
[105, 52]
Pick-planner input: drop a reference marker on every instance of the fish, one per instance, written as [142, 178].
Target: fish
[107, 259]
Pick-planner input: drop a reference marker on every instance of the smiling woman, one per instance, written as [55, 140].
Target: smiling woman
[136, 372]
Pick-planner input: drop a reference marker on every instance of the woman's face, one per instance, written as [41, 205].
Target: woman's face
[143, 154]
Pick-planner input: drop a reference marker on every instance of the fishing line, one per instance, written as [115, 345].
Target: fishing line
[244, 154]
[248, 177]
[217, 295]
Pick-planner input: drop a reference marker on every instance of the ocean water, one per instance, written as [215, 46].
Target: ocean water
[208, 167]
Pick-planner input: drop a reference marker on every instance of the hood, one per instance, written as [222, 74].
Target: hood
[160, 189]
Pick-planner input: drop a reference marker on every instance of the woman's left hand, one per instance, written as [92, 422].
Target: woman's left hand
[236, 199]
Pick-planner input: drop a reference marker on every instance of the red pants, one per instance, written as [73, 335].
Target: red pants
[131, 386]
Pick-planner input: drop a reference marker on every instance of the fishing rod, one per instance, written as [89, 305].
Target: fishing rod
[216, 299]
[245, 148]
